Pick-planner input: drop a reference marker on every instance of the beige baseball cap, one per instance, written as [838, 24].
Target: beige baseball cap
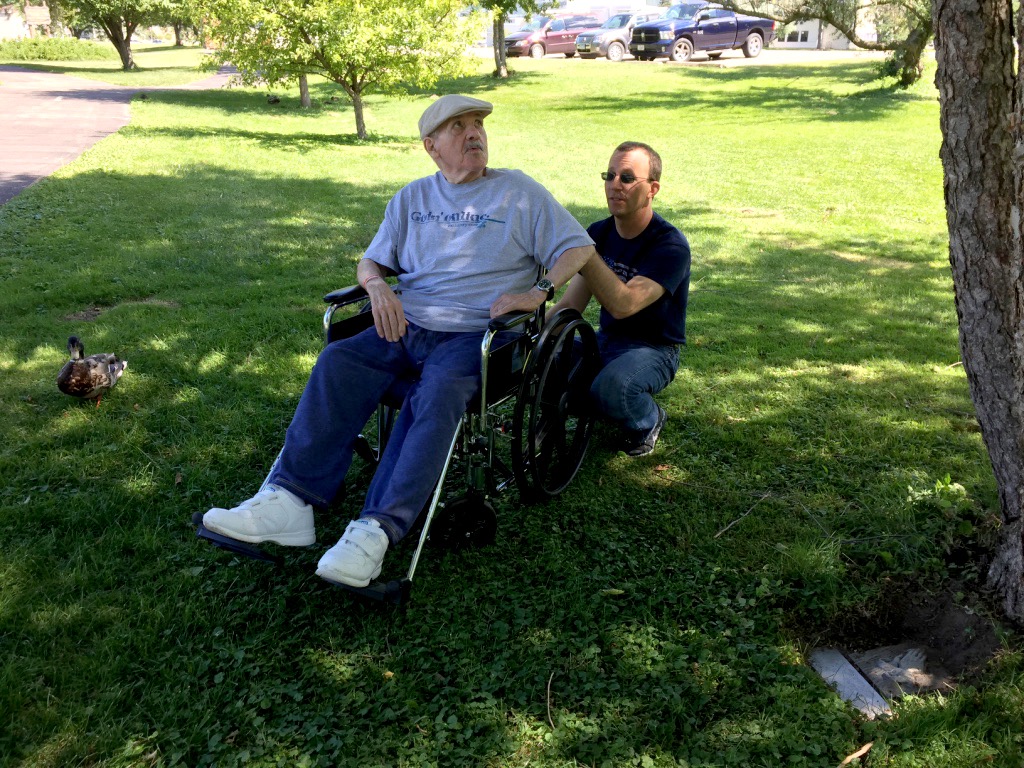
[448, 107]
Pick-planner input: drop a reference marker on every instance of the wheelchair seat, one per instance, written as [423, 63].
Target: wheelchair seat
[528, 427]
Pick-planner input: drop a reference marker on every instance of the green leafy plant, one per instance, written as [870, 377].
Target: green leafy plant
[55, 49]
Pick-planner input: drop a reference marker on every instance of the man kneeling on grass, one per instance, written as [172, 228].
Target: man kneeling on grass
[466, 245]
[641, 279]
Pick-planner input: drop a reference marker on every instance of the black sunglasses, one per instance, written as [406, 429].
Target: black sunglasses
[626, 177]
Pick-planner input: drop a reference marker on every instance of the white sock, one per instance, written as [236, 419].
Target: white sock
[296, 499]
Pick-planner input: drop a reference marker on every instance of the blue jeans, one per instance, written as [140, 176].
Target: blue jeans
[631, 374]
[348, 381]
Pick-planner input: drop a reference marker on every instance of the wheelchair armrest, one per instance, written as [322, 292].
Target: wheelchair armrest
[347, 295]
[509, 320]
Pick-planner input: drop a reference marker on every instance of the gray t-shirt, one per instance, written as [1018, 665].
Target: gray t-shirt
[458, 247]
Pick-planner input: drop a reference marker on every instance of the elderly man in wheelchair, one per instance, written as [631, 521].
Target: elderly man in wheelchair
[476, 253]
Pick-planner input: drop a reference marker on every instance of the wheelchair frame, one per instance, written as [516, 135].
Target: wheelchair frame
[551, 365]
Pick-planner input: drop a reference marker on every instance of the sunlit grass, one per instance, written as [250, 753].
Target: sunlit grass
[655, 613]
[157, 65]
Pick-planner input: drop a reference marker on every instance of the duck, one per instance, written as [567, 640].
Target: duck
[89, 377]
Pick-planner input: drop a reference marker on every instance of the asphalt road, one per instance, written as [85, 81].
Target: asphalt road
[47, 120]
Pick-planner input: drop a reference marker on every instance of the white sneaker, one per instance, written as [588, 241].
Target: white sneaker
[356, 559]
[273, 514]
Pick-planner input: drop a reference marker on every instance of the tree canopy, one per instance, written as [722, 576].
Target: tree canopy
[120, 18]
[904, 26]
[365, 46]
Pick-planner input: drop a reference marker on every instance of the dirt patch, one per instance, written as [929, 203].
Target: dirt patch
[84, 316]
[90, 314]
[873, 261]
[957, 632]
[957, 637]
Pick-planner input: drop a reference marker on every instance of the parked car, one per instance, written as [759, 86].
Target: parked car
[690, 27]
[611, 39]
[546, 34]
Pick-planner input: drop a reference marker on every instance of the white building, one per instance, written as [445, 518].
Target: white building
[817, 34]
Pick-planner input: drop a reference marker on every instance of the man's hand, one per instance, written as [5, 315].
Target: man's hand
[388, 314]
[518, 302]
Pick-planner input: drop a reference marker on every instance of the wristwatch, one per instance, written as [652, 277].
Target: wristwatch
[547, 286]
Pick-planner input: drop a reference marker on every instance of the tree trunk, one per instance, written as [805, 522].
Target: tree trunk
[982, 151]
[908, 54]
[357, 107]
[304, 99]
[500, 63]
[178, 36]
[121, 37]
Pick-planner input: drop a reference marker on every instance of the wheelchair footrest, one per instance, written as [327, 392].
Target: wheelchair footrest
[221, 541]
[395, 592]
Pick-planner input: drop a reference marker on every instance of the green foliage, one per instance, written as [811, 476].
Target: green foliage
[54, 49]
[120, 18]
[366, 46]
[902, 26]
[656, 614]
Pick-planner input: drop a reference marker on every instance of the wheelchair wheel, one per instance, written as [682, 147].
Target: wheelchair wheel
[552, 419]
[468, 521]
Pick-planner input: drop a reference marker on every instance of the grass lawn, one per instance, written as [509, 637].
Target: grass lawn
[821, 474]
[158, 65]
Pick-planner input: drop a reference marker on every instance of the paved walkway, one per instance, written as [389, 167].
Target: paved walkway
[48, 120]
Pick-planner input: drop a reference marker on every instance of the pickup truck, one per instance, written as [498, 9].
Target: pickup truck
[690, 27]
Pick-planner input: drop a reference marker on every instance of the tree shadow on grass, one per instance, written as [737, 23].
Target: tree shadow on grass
[607, 625]
[299, 142]
[483, 84]
[784, 101]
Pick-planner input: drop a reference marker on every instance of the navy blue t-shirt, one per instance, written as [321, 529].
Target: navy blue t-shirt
[659, 253]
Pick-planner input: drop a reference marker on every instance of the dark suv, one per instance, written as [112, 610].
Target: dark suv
[546, 35]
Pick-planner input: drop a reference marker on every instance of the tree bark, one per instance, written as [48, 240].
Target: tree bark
[121, 36]
[982, 151]
[357, 107]
[908, 54]
[500, 62]
[304, 99]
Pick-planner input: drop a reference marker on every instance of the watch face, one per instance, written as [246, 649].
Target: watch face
[546, 285]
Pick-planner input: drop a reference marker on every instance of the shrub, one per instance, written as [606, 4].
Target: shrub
[54, 49]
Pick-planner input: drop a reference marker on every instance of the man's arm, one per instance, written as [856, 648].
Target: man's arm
[567, 265]
[388, 315]
[577, 296]
[620, 299]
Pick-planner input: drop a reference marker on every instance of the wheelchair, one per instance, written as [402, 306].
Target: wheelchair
[528, 428]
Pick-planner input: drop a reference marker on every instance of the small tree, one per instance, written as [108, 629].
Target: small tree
[500, 11]
[365, 46]
[180, 15]
[69, 17]
[119, 19]
[906, 25]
